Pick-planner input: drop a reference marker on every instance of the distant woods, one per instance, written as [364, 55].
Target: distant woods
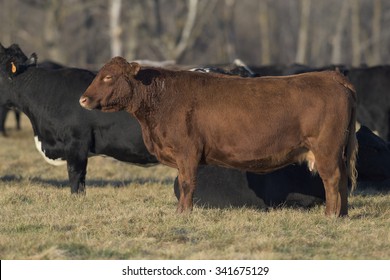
[87, 33]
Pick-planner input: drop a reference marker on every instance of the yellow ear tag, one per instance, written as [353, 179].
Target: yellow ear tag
[13, 69]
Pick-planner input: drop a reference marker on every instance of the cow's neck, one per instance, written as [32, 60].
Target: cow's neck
[145, 101]
[28, 98]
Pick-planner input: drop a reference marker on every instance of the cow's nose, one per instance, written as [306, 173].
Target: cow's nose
[84, 101]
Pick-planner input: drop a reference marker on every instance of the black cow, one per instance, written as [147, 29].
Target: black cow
[293, 185]
[372, 87]
[63, 131]
[5, 109]
[373, 158]
[297, 68]
[236, 68]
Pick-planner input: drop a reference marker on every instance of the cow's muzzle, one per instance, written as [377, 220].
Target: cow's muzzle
[85, 102]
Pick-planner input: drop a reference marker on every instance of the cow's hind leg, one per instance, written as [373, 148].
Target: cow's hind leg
[334, 178]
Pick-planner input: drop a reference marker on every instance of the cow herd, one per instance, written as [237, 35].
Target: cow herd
[237, 139]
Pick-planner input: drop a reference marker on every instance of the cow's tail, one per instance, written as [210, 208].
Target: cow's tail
[352, 145]
[351, 141]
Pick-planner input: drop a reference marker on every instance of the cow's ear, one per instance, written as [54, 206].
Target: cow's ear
[134, 68]
[33, 60]
[12, 68]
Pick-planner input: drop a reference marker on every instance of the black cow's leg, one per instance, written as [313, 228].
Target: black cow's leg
[3, 116]
[17, 119]
[388, 125]
[77, 169]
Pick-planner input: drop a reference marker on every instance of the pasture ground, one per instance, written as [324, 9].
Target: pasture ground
[129, 213]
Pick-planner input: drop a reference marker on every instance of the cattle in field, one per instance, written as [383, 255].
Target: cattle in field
[63, 131]
[258, 124]
[293, 185]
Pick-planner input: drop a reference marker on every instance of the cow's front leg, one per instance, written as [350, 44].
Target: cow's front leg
[77, 169]
[187, 183]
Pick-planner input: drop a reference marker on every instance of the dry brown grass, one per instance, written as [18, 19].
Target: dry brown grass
[129, 213]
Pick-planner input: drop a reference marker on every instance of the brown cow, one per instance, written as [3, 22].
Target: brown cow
[258, 125]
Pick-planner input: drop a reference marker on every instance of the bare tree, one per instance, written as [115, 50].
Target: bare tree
[206, 11]
[132, 31]
[186, 32]
[303, 32]
[228, 23]
[85, 32]
[355, 32]
[376, 32]
[51, 31]
[337, 38]
[115, 27]
[8, 20]
[264, 33]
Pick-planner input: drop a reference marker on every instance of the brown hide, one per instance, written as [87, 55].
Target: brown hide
[257, 124]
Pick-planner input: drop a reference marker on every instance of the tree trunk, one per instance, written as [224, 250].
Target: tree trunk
[51, 32]
[376, 33]
[115, 27]
[228, 23]
[303, 32]
[264, 33]
[355, 32]
[187, 29]
[132, 32]
[337, 38]
[7, 27]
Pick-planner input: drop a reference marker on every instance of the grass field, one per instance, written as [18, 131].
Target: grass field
[129, 213]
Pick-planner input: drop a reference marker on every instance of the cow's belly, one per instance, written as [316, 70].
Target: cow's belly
[53, 161]
[258, 162]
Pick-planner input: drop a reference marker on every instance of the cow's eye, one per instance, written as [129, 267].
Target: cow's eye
[107, 78]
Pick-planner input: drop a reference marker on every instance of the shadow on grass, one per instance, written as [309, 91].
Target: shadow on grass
[371, 190]
[89, 183]
[81, 251]
[11, 178]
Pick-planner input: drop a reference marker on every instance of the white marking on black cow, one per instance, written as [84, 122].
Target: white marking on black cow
[56, 162]
[202, 70]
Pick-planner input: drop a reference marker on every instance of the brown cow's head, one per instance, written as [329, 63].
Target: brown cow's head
[111, 89]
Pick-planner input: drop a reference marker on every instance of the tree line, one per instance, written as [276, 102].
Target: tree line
[86, 33]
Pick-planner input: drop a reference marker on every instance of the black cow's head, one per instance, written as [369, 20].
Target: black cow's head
[13, 61]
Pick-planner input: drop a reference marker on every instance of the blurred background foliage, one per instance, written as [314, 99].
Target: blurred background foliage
[87, 33]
